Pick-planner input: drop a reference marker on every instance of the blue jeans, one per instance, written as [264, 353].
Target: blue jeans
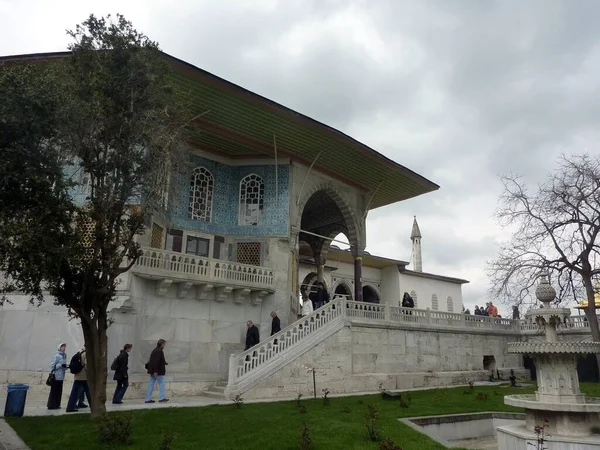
[160, 379]
[122, 386]
[80, 387]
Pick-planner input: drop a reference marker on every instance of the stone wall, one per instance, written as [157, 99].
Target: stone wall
[360, 357]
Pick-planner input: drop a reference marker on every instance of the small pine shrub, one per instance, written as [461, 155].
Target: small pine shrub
[115, 429]
[298, 400]
[346, 409]
[167, 440]
[371, 421]
[302, 409]
[305, 439]
[388, 444]
[481, 396]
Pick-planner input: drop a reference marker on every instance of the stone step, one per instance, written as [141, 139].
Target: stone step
[212, 394]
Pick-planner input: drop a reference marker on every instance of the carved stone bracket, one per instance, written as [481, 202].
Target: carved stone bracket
[222, 293]
[205, 292]
[241, 295]
[163, 286]
[183, 289]
[258, 297]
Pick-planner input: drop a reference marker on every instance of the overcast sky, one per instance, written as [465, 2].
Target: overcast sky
[458, 91]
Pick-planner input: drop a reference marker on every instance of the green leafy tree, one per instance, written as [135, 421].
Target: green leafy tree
[117, 132]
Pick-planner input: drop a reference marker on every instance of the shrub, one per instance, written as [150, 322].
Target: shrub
[388, 444]
[346, 409]
[115, 429]
[302, 409]
[305, 440]
[405, 400]
[238, 401]
[371, 421]
[298, 399]
[325, 397]
[167, 439]
[481, 396]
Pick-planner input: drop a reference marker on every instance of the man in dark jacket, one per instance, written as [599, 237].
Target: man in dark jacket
[157, 369]
[121, 376]
[322, 296]
[275, 323]
[252, 335]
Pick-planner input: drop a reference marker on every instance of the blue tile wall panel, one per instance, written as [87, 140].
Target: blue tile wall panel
[275, 219]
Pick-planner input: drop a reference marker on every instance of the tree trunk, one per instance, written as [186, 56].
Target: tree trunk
[590, 313]
[96, 345]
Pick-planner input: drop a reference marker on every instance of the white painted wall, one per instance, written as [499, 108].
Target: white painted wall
[425, 288]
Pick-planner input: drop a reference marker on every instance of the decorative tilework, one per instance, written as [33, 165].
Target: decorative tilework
[226, 195]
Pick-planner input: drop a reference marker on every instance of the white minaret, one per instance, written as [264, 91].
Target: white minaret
[415, 237]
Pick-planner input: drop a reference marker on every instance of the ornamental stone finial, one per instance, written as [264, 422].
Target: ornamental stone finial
[544, 292]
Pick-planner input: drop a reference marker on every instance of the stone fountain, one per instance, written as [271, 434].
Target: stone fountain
[569, 419]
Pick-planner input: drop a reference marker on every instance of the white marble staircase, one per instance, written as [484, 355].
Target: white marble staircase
[216, 391]
[254, 365]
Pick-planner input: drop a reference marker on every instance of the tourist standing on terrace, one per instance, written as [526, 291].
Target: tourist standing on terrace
[322, 296]
[57, 377]
[157, 369]
[121, 376]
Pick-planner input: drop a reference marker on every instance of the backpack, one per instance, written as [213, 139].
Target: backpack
[76, 364]
[115, 364]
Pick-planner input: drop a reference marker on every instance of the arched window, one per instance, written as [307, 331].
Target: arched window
[201, 195]
[450, 304]
[252, 198]
[434, 302]
[413, 294]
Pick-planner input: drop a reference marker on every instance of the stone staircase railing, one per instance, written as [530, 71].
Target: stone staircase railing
[254, 365]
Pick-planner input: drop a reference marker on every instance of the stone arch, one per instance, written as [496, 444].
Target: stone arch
[353, 226]
[342, 287]
[311, 280]
[371, 293]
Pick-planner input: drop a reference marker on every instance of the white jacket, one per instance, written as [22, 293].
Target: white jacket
[307, 307]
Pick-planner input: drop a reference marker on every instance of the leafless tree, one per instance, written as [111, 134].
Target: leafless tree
[555, 230]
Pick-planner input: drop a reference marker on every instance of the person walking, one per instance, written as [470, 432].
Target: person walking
[121, 366]
[275, 323]
[78, 367]
[157, 369]
[322, 296]
[57, 377]
[307, 304]
[252, 335]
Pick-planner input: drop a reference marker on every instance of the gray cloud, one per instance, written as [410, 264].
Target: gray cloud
[459, 91]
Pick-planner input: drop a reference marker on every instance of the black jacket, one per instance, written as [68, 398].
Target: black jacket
[275, 325]
[157, 363]
[252, 337]
[122, 366]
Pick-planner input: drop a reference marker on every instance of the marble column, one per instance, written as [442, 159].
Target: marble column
[358, 279]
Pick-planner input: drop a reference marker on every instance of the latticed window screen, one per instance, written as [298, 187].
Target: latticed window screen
[434, 302]
[252, 197]
[156, 237]
[249, 253]
[450, 304]
[413, 294]
[201, 195]
[86, 228]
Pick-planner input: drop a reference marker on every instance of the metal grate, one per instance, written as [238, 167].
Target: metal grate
[434, 302]
[252, 196]
[86, 228]
[201, 195]
[450, 304]
[156, 237]
[249, 253]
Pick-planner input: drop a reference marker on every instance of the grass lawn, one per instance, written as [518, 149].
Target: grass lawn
[274, 426]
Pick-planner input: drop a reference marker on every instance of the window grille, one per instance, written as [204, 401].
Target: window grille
[201, 195]
[252, 195]
[450, 304]
[434, 302]
[156, 237]
[249, 253]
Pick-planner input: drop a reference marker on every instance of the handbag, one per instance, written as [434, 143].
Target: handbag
[51, 378]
